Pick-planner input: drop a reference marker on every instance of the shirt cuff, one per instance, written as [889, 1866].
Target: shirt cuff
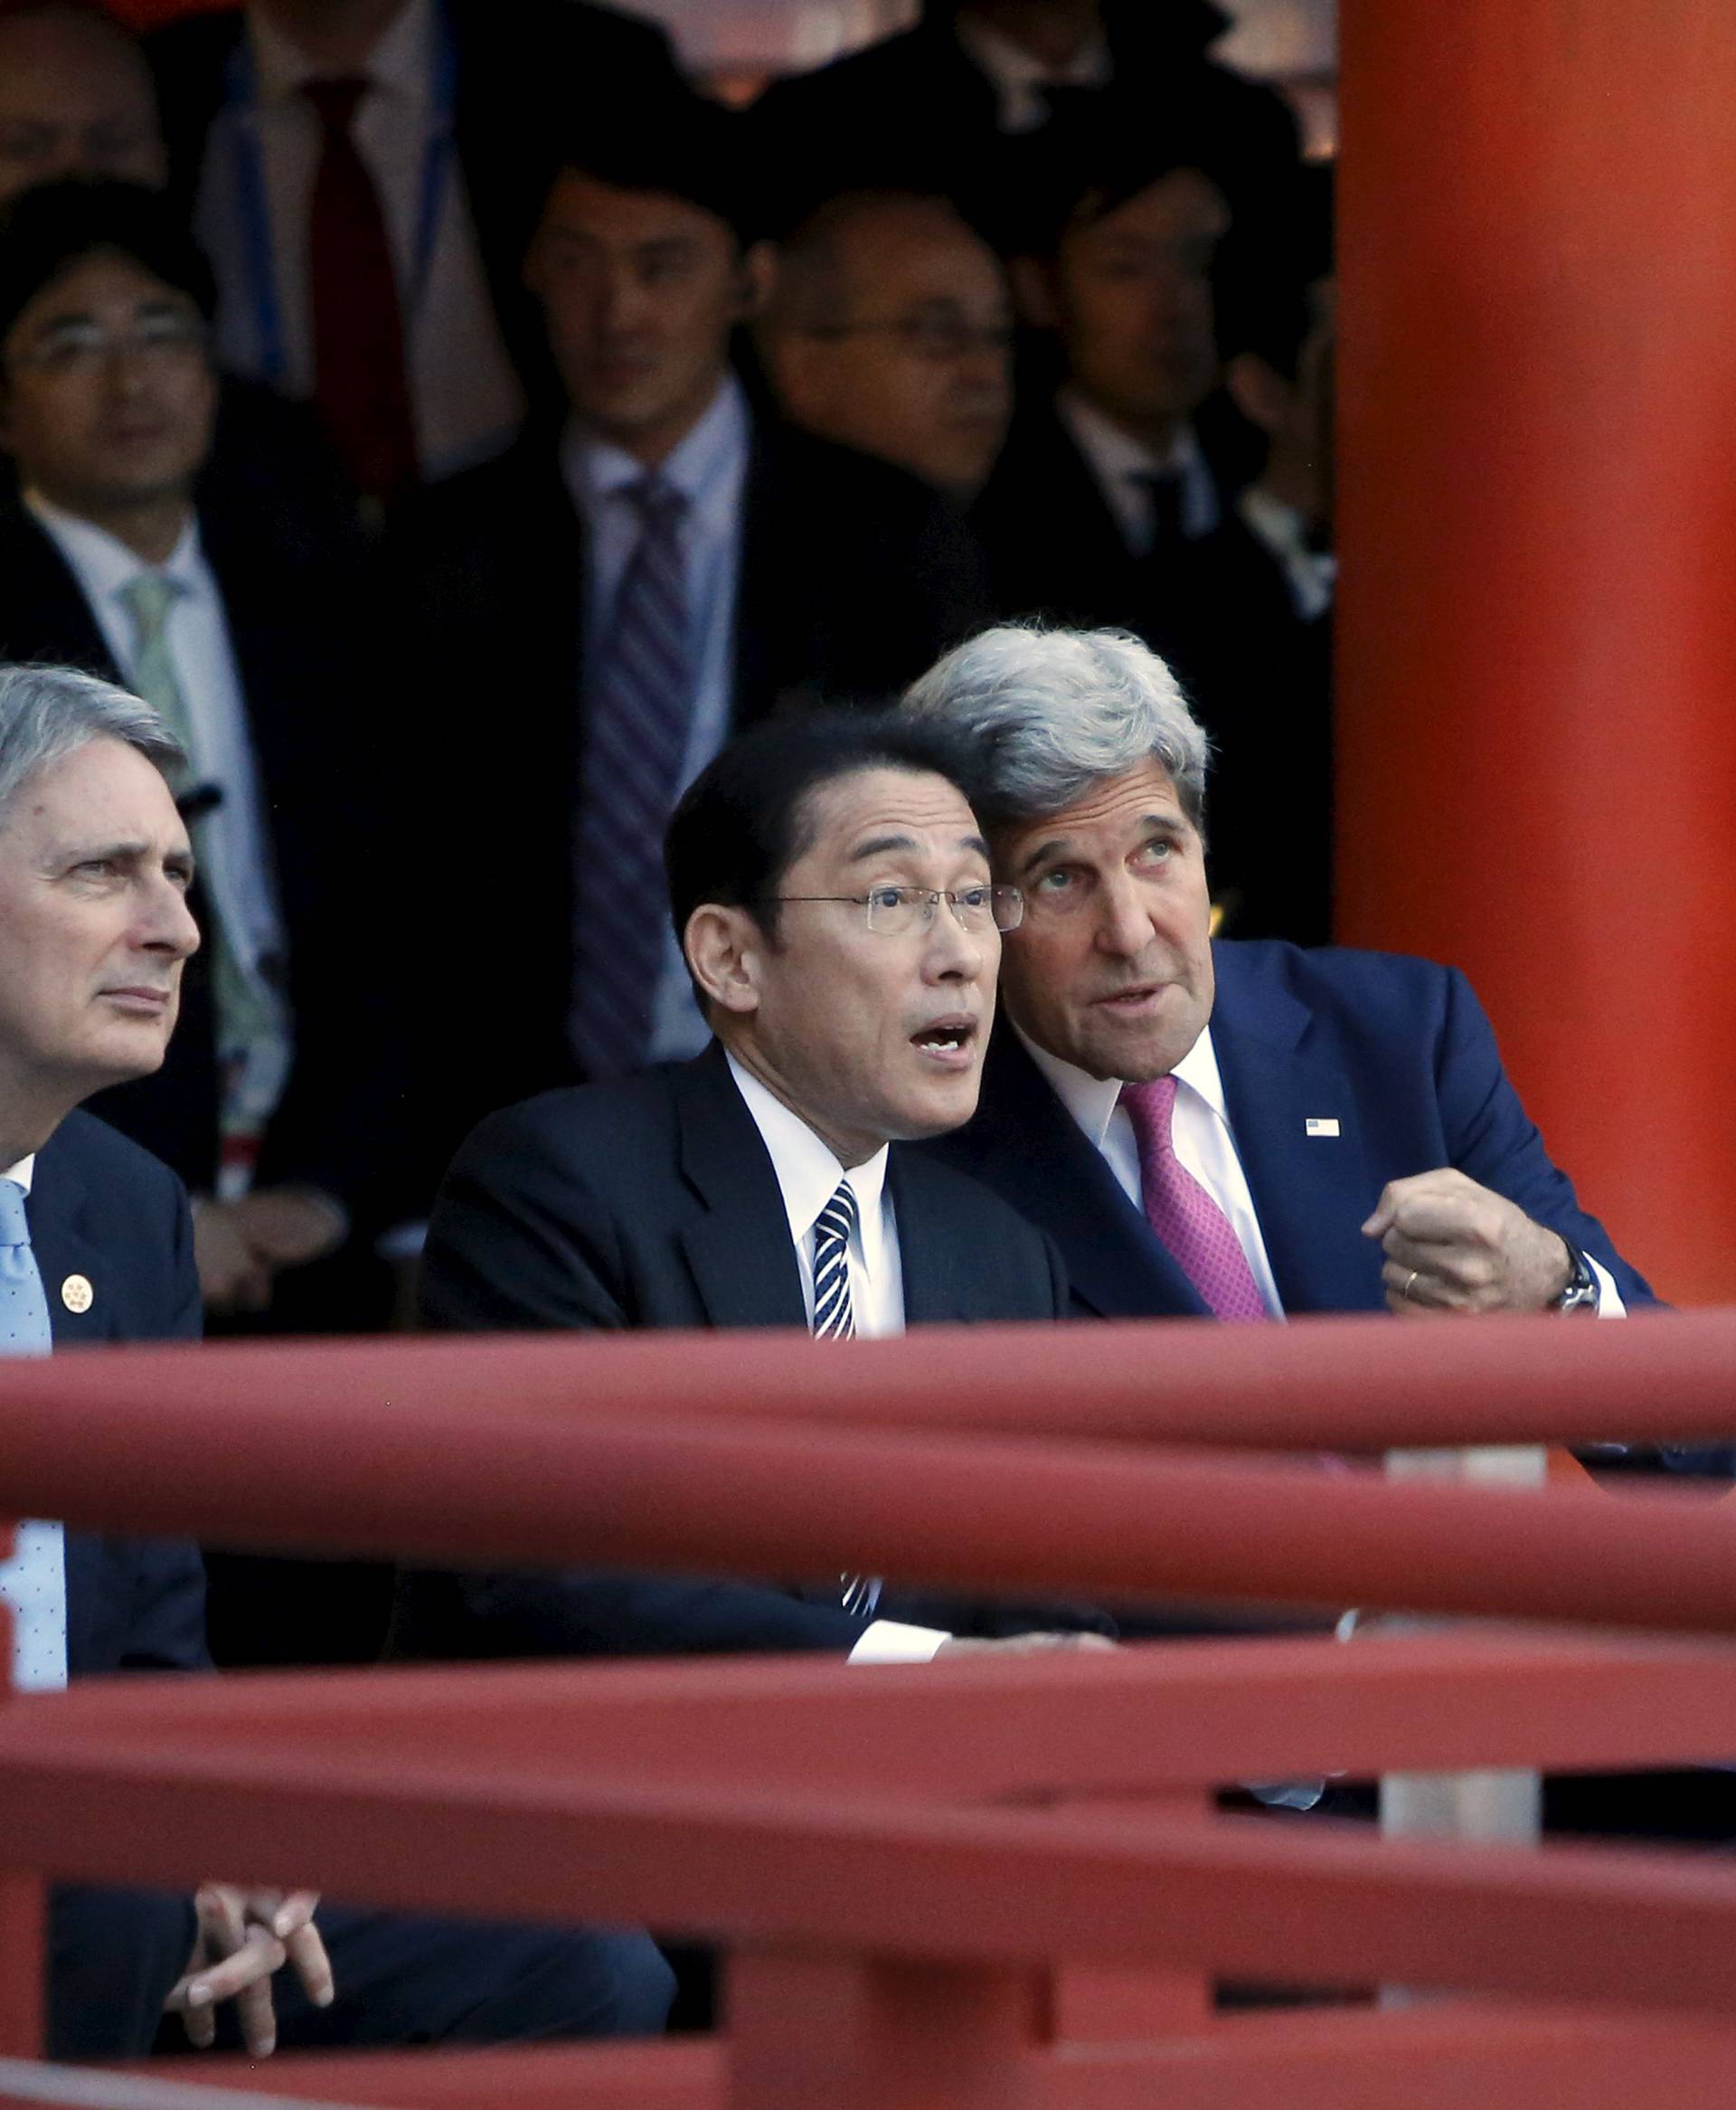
[889, 1640]
[1609, 1303]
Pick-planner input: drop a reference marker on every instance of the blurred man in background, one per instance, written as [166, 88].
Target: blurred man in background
[890, 330]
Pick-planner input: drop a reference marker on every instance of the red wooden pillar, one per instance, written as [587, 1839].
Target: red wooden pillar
[1538, 618]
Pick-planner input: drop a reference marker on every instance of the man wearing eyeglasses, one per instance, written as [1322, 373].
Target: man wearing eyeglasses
[837, 915]
[229, 626]
[890, 330]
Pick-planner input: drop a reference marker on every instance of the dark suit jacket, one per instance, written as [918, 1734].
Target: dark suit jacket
[101, 1207]
[532, 79]
[851, 580]
[294, 646]
[916, 112]
[653, 1203]
[1215, 608]
[1397, 1051]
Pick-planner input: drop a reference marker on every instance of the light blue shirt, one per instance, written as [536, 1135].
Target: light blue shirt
[709, 468]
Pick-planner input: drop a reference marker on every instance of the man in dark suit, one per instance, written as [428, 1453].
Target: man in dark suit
[668, 565]
[237, 619]
[1112, 505]
[95, 1245]
[932, 108]
[1243, 1129]
[833, 896]
[398, 213]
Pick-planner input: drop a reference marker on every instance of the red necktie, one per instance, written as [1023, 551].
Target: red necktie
[359, 382]
[1198, 1237]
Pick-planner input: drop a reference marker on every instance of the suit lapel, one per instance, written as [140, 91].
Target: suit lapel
[1047, 1168]
[1310, 1190]
[940, 1274]
[44, 615]
[743, 1263]
[63, 1236]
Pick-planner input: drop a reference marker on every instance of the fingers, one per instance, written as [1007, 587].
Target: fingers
[311, 1966]
[243, 1976]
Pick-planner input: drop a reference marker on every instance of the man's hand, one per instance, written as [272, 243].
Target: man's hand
[1452, 1245]
[244, 1937]
[240, 1245]
[1021, 1644]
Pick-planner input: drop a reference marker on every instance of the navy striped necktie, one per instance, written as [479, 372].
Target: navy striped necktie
[638, 710]
[834, 1318]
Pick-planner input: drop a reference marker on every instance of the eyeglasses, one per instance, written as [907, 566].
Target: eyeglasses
[929, 336]
[75, 347]
[893, 911]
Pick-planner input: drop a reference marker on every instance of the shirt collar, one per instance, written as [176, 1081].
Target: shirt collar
[1014, 70]
[104, 564]
[1092, 1101]
[596, 470]
[1116, 454]
[808, 1172]
[24, 1171]
[399, 63]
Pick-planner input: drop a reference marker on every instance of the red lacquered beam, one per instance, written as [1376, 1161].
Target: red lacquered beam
[774, 1499]
[1239, 1898]
[982, 1728]
[1362, 1384]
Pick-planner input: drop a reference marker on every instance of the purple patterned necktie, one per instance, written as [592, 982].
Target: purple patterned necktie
[1194, 1231]
[637, 713]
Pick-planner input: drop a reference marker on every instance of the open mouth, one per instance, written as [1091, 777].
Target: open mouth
[947, 1040]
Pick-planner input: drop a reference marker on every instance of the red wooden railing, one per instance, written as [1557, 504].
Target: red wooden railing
[993, 1880]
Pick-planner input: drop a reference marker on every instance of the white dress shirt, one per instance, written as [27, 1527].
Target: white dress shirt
[32, 1582]
[235, 856]
[808, 1176]
[1311, 575]
[708, 467]
[465, 396]
[1019, 77]
[1119, 465]
[1205, 1145]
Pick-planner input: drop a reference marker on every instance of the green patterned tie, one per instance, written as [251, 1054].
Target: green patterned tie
[252, 1032]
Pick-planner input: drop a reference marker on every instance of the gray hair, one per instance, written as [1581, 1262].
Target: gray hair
[1049, 712]
[48, 712]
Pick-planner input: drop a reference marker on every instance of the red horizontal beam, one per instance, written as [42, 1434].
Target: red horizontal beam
[1182, 1714]
[1439, 2058]
[1239, 1898]
[1357, 1384]
[444, 1483]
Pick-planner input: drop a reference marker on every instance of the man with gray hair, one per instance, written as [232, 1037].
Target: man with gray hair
[95, 1245]
[1240, 1129]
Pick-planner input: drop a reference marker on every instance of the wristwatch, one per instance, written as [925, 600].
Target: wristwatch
[1582, 1291]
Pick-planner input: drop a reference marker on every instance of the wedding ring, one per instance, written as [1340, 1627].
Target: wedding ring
[1410, 1283]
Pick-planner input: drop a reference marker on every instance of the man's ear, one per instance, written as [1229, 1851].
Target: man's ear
[1258, 391]
[723, 948]
[754, 277]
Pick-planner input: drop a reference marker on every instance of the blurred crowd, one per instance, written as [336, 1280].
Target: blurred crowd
[360, 359]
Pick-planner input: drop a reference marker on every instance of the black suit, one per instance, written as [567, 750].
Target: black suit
[294, 650]
[852, 579]
[915, 112]
[1215, 607]
[654, 1203]
[101, 1207]
[533, 81]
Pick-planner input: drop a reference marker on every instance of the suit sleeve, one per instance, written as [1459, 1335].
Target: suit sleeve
[1493, 1140]
[165, 1627]
[519, 1239]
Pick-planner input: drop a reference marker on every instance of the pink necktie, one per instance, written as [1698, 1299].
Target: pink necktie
[1197, 1234]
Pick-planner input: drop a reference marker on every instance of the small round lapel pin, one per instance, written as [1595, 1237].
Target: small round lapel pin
[76, 1294]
